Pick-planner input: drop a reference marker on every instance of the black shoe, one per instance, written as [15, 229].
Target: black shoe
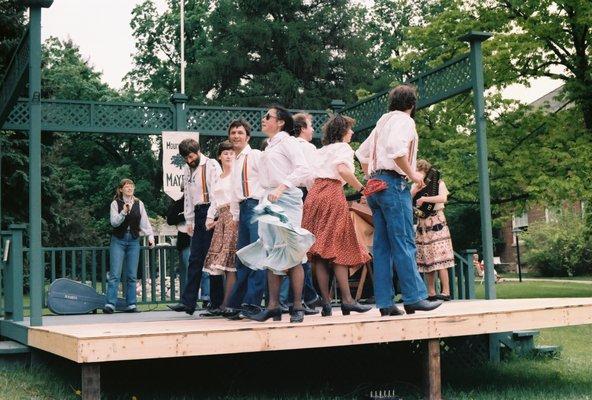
[327, 310]
[181, 307]
[392, 310]
[443, 297]
[318, 302]
[251, 309]
[285, 309]
[230, 312]
[355, 306]
[309, 311]
[108, 310]
[215, 312]
[433, 298]
[422, 305]
[297, 315]
[133, 309]
[266, 314]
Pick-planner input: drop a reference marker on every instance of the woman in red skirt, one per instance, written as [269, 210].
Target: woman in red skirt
[326, 215]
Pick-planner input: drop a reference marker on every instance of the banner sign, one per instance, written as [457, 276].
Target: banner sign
[173, 163]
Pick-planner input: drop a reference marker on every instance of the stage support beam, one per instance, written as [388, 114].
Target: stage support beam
[91, 381]
[432, 372]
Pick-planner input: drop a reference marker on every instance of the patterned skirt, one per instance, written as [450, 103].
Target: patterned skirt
[434, 247]
[326, 215]
[222, 251]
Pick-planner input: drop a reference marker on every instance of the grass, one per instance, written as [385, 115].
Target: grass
[343, 373]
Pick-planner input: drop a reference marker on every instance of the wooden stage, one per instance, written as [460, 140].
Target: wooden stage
[92, 339]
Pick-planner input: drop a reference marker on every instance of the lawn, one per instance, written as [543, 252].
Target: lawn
[332, 374]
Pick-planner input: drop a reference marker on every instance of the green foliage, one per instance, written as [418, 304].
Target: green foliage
[558, 248]
[12, 18]
[299, 53]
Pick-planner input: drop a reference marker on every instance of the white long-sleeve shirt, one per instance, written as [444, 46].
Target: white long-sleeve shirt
[117, 218]
[193, 185]
[283, 162]
[245, 181]
[221, 196]
[329, 158]
[310, 155]
[395, 137]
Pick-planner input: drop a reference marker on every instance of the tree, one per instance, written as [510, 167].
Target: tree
[247, 53]
[12, 26]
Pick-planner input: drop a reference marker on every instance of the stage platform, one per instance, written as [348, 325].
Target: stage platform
[92, 339]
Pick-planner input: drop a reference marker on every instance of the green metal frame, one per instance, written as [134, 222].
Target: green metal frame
[139, 118]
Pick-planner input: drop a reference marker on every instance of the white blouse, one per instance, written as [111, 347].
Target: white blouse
[222, 196]
[309, 150]
[283, 162]
[442, 189]
[329, 157]
[395, 136]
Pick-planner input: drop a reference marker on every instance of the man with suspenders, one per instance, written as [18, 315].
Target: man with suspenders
[250, 285]
[199, 177]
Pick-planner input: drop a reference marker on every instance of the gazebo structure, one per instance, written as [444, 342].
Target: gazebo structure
[88, 341]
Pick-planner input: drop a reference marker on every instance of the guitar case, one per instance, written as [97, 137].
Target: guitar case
[68, 297]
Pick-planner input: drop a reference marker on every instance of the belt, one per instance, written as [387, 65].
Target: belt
[390, 172]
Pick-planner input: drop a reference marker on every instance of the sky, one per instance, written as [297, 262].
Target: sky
[101, 28]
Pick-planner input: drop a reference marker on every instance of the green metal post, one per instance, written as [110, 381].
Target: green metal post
[475, 39]
[180, 102]
[470, 274]
[36, 267]
[13, 280]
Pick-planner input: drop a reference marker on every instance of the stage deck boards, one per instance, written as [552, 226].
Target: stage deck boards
[100, 338]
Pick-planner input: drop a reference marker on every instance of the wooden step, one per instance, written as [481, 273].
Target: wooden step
[11, 347]
[548, 351]
[525, 334]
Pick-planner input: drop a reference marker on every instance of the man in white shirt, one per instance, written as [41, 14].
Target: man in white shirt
[389, 155]
[200, 174]
[247, 292]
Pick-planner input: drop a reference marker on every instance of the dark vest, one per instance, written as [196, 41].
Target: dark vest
[132, 220]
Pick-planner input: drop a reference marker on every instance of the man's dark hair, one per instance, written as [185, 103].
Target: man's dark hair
[188, 146]
[335, 128]
[286, 116]
[402, 98]
[240, 122]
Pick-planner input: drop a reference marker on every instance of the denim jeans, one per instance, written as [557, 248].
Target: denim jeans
[250, 285]
[205, 277]
[394, 242]
[123, 250]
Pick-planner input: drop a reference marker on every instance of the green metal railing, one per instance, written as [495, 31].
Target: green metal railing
[139, 118]
[462, 276]
[15, 76]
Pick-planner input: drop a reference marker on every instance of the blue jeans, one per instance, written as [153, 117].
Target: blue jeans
[205, 277]
[394, 242]
[126, 249]
[250, 285]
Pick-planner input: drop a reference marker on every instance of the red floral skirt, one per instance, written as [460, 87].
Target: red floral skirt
[326, 215]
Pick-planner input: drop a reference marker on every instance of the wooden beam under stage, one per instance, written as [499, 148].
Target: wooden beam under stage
[118, 337]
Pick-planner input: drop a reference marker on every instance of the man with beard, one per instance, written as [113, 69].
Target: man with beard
[200, 174]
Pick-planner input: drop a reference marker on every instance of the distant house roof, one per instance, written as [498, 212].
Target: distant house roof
[554, 100]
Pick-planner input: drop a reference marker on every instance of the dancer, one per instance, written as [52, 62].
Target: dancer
[388, 156]
[200, 175]
[326, 215]
[223, 218]
[128, 219]
[434, 247]
[282, 244]
[247, 293]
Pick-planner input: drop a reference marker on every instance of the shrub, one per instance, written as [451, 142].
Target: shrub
[558, 248]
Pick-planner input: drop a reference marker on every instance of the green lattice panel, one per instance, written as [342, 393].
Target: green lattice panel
[450, 79]
[214, 120]
[81, 116]
[15, 77]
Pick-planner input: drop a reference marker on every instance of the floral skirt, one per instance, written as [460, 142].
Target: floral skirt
[222, 251]
[327, 216]
[434, 247]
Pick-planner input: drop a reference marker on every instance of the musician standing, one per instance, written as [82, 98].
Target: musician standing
[388, 156]
[434, 247]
